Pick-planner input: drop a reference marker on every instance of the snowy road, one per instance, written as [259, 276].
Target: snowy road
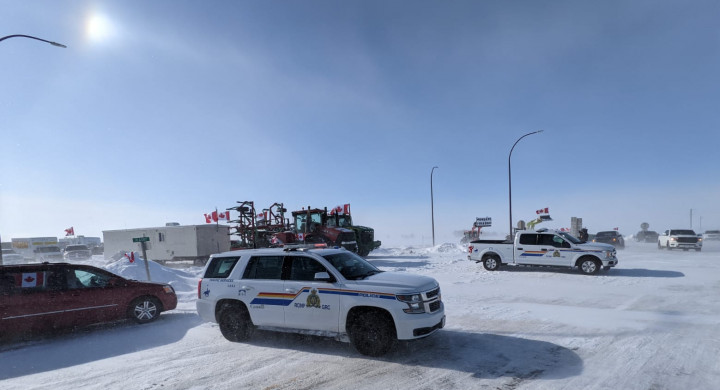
[651, 323]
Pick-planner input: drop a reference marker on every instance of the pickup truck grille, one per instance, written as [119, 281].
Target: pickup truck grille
[687, 240]
[434, 306]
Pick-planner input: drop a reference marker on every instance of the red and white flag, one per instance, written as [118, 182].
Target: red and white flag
[224, 215]
[262, 216]
[542, 211]
[32, 279]
[70, 231]
[130, 256]
[346, 208]
[208, 218]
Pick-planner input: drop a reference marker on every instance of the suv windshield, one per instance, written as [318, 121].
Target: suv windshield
[76, 248]
[352, 266]
[47, 249]
[606, 234]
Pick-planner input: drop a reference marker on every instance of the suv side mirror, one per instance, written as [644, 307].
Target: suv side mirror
[323, 277]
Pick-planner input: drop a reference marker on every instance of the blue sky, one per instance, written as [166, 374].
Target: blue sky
[167, 109]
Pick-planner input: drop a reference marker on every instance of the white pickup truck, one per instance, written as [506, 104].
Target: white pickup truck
[543, 248]
[323, 292]
[684, 239]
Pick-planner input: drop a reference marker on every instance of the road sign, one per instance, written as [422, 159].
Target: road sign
[141, 239]
[483, 222]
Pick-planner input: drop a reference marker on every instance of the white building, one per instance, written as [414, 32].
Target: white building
[170, 243]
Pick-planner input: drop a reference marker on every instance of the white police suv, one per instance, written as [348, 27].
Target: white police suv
[328, 292]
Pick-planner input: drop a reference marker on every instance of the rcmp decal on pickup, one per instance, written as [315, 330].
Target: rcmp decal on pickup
[284, 299]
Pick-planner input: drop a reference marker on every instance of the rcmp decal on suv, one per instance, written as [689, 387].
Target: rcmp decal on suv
[283, 299]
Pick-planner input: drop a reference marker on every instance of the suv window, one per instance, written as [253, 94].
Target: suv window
[304, 268]
[220, 267]
[528, 239]
[264, 267]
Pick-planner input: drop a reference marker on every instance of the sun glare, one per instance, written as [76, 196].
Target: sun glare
[98, 28]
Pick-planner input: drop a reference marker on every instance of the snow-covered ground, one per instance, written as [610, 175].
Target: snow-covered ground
[651, 323]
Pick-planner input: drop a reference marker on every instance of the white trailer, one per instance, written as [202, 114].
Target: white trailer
[171, 243]
[28, 246]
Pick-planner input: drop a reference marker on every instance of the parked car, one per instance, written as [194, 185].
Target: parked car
[77, 252]
[48, 253]
[612, 237]
[647, 236]
[9, 256]
[41, 298]
[711, 235]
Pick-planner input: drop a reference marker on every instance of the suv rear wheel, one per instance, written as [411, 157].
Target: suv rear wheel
[235, 323]
[372, 333]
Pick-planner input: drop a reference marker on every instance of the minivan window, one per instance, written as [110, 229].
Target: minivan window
[220, 267]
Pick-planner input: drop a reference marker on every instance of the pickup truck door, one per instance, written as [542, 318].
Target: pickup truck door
[558, 250]
[528, 251]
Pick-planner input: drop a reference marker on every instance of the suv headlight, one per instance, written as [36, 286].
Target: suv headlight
[414, 302]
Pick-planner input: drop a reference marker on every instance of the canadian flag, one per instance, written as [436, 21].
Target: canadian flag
[215, 216]
[301, 236]
[542, 211]
[32, 279]
[262, 216]
[346, 208]
[70, 231]
[131, 257]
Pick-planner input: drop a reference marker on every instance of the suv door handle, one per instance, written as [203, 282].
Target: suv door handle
[246, 288]
[519, 249]
[291, 290]
[543, 249]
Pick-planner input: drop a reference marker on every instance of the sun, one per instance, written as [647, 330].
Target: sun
[98, 28]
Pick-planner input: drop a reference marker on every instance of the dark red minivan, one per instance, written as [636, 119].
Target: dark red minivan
[41, 298]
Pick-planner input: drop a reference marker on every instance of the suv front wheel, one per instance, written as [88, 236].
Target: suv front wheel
[372, 333]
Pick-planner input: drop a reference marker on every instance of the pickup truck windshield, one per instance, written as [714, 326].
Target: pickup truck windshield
[352, 266]
[570, 238]
[682, 232]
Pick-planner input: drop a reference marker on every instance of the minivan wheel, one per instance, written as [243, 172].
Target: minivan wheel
[372, 333]
[235, 323]
[145, 309]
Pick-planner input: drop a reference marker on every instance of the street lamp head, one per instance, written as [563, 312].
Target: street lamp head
[58, 45]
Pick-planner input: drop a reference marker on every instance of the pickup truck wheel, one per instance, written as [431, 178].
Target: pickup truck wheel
[235, 323]
[491, 263]
[372, 333]
[659, 246]
[589, 266]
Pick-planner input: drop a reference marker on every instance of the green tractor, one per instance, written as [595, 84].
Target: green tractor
[365, 236]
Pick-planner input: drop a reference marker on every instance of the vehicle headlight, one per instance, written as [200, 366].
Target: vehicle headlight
[414, 302]
[609, 254]
[673, 238]
[168, 289]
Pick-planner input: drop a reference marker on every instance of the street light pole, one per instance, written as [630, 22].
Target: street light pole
[510, 178]
[432, 207]
[31, 37]
[39, 39]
